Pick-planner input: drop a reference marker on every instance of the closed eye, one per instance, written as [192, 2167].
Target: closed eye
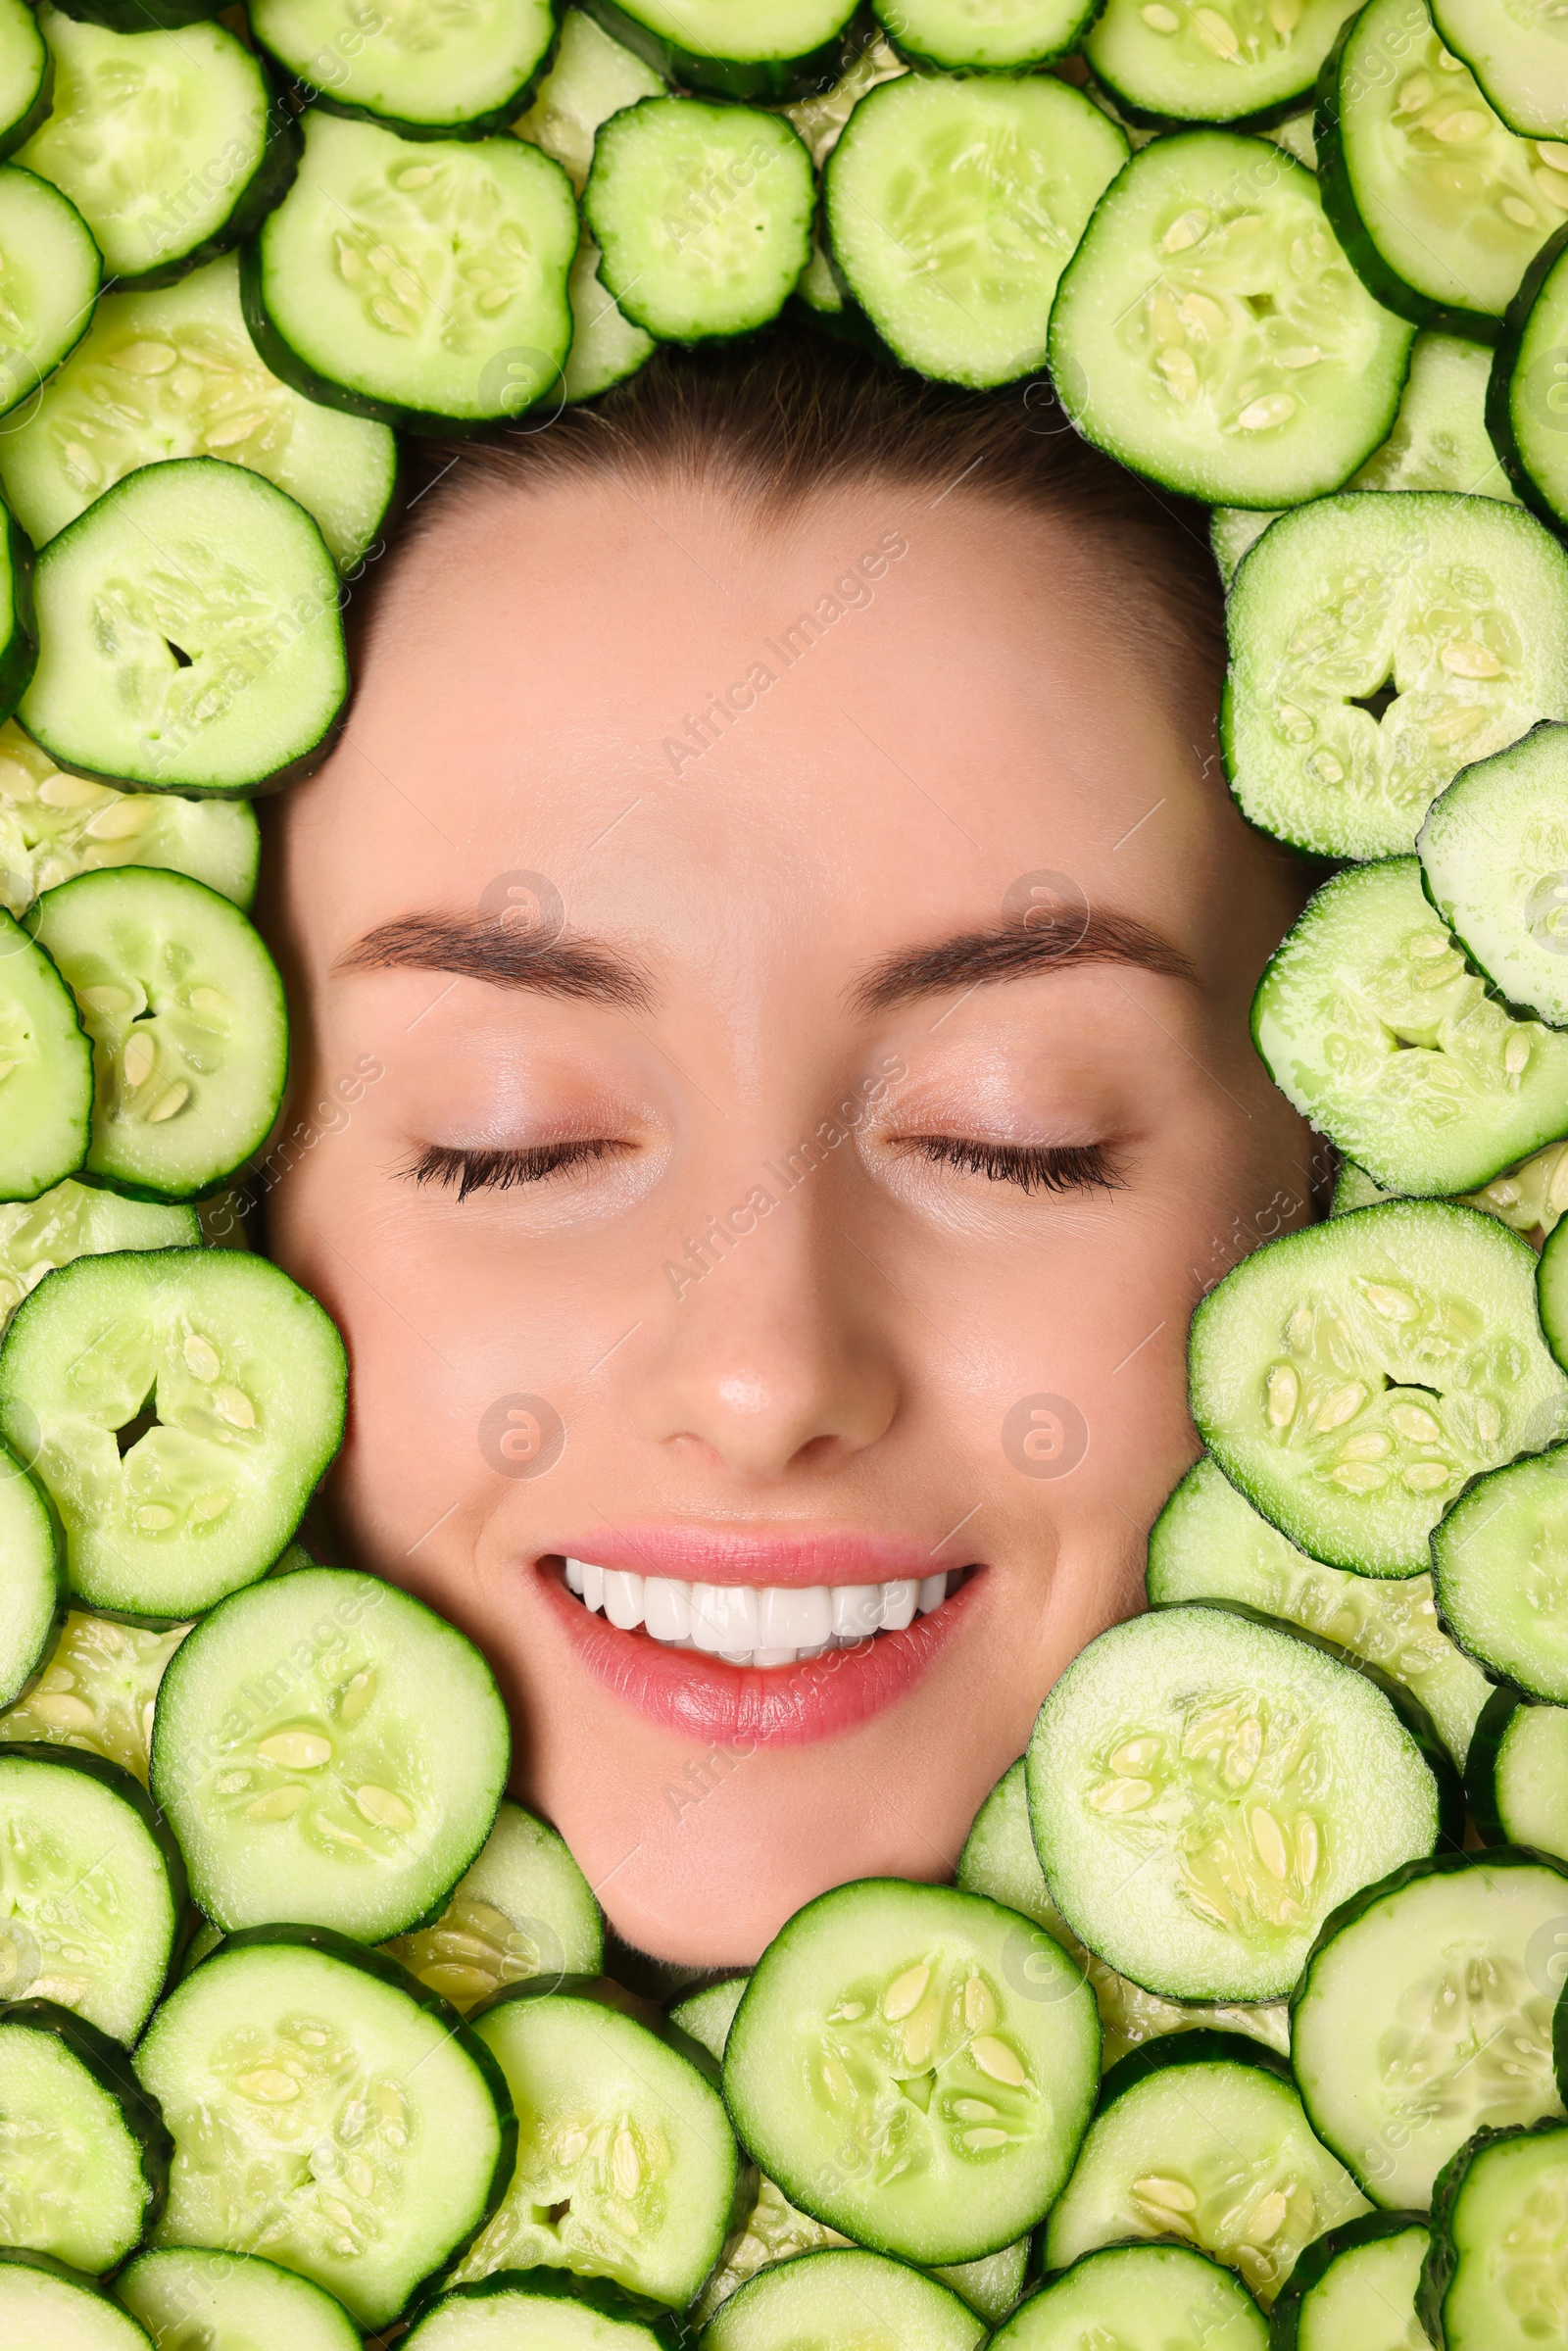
[1032, 1167]
[465, 1171]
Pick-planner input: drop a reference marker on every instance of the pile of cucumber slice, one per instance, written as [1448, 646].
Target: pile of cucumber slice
[1245, 2023]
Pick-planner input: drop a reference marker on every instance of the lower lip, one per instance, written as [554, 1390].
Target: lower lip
[784, 1706]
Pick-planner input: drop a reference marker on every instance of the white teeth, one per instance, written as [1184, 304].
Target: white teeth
[748, 1624]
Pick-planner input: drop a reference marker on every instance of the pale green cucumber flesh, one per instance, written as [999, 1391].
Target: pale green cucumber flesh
[418, 67]
[33, 1591]
[192, 2300]
[1211, 64]
[81, 2154]
[45, 1071]
[1493, 2279]
[1154, 2288]
[1495, 860]
[844, 2296]
[1362, 2296]
[44, 2305]
[707, 2015]
[53, 826]
[491, 2314]
[988, 36]
[740, 31]
[591, 77]
[523, 1910]
[97, 1691]
[1500, 1565]
[1529, 404]
[1519, 56]
[1529, 1198]
[1529, 1779]
[25, 73]
[51, 274]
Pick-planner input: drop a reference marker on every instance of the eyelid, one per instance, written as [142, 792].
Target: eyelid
[451, 1167]
[1031, 1166]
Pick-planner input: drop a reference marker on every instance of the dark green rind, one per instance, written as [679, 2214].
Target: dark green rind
[1553, 1248]
[1493, 1671]
[1119, 2244]
[471, 126]
[1436, 1865]
[826, 2253]
[1481, 1764]
[1437, 2271]
[1499, 388]
[141, 16]
[1380, 281]
[109, 2066]
[66, 2276]
[1320, 2255]
[1144, 118]
[266, 188]
[62, 1607]
[926, 60]
[1204, 2045]
[556, 2285]
[37, 114]
[18, 657]
[761, 81]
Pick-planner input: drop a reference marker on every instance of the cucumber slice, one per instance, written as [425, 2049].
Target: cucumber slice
[1368, 1019]
[189, 2300]
[98, 1688]
[1491, 2280]
[1495, 862]
[769, 2231]
[914, 2067]
[984, 35]
[1195, 1790]
[1530, 1198]
[189, 1027]
[951, 208]
[1438, 442]
[166, 143]
[33, 1591]
[78, 1220]
[246, 1375]
[533, 2308]
[1210, 334]
[524, 1911]
[1425, 2010]
[328, 2113]
[1518, 56]
[85, 2158]
[95, 1898]
[423, 287]
[190, 636]
[1351, 1377]
[626, 2166]
[1354, 2290]
[1211, 64]
[606, 347]
[1516, 1778]
[768, 49]
[17, 649]
[324, 1745]
[992, 2285]
[820, 118]
[707, 2016]
[1000, 1859]
[1527, 407]
[46, 1072]
[175, 374]
[701, 215]
[1432, 198]
[1460, 606]
[849, 2297]
[53, 826]
[459, 75]
[43, 2305]
[26, 75]
[591, 77]
[1134, 2295]
[51, 274]
[1208, 1544]
[1500, 1561]
[1204, 2138]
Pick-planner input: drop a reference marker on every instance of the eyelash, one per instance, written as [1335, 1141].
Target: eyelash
[440, 1163]
[1032, 1167]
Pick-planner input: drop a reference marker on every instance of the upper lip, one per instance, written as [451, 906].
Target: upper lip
[759, 1556]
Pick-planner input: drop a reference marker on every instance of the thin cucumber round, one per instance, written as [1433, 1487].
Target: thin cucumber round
[365, 2133]
[606, 347]
[1527, 405]
[45, 1071]
[625, 2166]
[458, 75]
[1350, 1378]
[591, 77]
[79, 1220]
[1354, 2288]
[1519, 58]
[706, 2016]
[175, 374]
[1491, 2280]
[522, 1912]
[1430, 195]
[844, 2296]
[1211, 64]
[745, 49]
[324, 1745]
[43, 2305]
[192, 2300]
[1210, 333]
[26, 75]
[542, 2309]
[1369, 1020]
[97, 1892]
[1499, 1559]
[701, 215]
[914, 2067]
[32, 1589]
[1195, 1791]
[988, 36]
[97, 1690]
[238, 1378]
[1494, 863]
[952, 207]
[1204, 2138]
[53, 826]
[421, 284]
[992, 2285]
[51, 274]
[1208, 1544]
[1425, 2010]
[1516, 1778]
[1530, 1198]
[166, 143]
[767, 2231]
[190, 637]
[1134, 2295]
[85, 2158]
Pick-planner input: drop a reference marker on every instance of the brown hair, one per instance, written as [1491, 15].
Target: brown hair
[784, 417]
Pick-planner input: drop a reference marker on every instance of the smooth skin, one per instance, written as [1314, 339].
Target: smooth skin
[993, 706]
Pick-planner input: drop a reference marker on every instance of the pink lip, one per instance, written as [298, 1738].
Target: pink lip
[741, 1707]
[716, 1556]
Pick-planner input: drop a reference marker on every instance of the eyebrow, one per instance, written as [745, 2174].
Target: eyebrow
[1014, 952]
[479, 946]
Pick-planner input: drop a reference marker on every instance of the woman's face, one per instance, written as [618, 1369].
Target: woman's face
[854, 1097]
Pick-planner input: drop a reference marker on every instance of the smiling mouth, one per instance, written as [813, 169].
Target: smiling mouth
[767, 1626]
